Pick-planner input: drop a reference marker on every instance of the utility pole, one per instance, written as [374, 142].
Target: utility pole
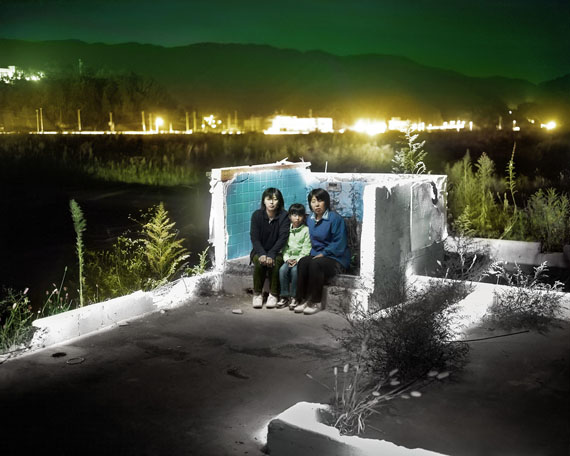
[187, 122]
[37, 121]
[143, 125]
[79, 119]
[111, 124]
[41, 120]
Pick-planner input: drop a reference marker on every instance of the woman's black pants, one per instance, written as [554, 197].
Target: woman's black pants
[312, 274]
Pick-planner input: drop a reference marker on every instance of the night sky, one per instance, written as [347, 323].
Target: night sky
[514, 38]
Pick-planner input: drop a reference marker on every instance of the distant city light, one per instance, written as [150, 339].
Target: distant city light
[158, 122]
[374, 127]
[370, 127]
[11, 74]
[549, 126]
[292, 125]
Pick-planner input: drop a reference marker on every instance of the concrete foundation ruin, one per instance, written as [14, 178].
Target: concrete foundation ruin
[396, 224]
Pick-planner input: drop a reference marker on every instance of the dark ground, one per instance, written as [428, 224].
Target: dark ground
[200, 380]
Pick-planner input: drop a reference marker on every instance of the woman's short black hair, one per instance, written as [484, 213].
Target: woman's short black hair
[297, 209]
[321, 195]
[273, 192]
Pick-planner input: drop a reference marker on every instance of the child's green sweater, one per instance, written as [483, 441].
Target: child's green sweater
[299, 243]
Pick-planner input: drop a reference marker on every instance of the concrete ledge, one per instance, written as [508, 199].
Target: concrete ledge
[520, 252]
[475, 305]
[86, 320]
[298, 431]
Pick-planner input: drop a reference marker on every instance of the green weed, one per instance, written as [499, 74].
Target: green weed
[16, 317]
[549, 219]
[410, 158]
[143, 260]
[79, 225]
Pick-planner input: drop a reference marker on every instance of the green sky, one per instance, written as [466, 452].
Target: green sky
[522, 38]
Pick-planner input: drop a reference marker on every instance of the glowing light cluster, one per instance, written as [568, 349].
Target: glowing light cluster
[549, 126]
[397, 124]
[11, 74]
[451, 125]
[374, 127]
[283, 125]
[370, 127]
[211, 122]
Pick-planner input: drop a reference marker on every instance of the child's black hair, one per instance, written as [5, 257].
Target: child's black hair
[297, 209]
[321, 195]
[271, 192]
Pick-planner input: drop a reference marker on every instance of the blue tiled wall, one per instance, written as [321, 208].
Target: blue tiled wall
[244, 197]
[346, 197]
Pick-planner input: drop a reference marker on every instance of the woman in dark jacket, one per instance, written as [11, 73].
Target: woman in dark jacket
[269, 232]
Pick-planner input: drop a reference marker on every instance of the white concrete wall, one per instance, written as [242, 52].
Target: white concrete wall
[403, 221]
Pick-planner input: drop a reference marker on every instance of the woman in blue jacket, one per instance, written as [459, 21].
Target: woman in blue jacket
[329, 256]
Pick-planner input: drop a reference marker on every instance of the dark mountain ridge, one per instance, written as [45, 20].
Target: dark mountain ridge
[260, 79]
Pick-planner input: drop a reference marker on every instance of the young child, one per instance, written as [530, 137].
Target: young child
[268, 232]
[298, 245]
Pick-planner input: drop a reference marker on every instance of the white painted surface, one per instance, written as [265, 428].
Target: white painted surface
[298, 432]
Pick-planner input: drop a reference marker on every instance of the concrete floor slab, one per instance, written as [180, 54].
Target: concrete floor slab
[202, 380]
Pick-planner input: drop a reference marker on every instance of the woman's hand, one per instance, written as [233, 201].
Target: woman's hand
[269, 261]
[291, 263]
[263, 259]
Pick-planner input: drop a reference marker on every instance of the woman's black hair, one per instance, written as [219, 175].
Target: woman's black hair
[297, 209]
[321, 195]
[271, 192]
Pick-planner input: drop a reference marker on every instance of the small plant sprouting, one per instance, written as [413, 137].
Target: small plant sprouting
[57, 300]
[79, 224]
[355, 399]
[202, 265]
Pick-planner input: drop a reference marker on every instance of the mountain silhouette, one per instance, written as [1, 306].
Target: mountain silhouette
[260, 80]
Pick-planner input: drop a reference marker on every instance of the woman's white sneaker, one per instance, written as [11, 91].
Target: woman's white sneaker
[271, 302]
[257, 301]
[312, 308]
[301, 307]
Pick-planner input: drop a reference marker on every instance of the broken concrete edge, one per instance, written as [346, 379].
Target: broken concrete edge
[472, 309]
[67, 327]
[299, 431]
[520, 252]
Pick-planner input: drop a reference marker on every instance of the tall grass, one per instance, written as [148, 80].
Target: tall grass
[486, 206]
[79, 225]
